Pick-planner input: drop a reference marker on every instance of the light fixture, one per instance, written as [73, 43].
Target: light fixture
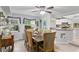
[42, 12]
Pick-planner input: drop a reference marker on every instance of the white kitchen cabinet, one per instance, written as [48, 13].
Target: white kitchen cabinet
[64, 35]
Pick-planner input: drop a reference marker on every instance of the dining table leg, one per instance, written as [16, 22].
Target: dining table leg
[0, 49]
[37, 46]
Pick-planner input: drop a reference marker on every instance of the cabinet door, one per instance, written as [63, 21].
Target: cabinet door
[64, 36]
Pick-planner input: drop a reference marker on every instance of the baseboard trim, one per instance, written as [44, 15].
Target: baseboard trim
[74, 45]
[61, 43]
[18, 40]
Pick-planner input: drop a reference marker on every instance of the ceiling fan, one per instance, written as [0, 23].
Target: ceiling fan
[43, 9]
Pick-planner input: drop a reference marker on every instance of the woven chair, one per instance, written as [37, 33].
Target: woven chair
[30, 44]
[48, 43]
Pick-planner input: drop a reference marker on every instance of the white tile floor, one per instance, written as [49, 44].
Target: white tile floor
[67, 48]
[19, 47]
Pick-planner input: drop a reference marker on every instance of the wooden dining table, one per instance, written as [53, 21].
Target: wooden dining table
[38, 37]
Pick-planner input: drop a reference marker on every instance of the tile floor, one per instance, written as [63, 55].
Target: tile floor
[67, 48]
[19, 47]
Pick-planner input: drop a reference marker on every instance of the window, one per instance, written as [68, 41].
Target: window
[13, 23]
[27, 22]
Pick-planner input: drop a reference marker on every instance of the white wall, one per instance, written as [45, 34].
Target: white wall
[1, 10]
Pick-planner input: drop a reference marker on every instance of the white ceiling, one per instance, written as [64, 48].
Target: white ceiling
[57, 10]
[66, 10]
[24, 10]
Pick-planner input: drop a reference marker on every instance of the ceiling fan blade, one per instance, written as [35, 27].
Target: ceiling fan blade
[48, 11]
[51, 7]
[40, 6]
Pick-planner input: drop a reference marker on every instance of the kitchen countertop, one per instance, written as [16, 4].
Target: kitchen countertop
[64, 29]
